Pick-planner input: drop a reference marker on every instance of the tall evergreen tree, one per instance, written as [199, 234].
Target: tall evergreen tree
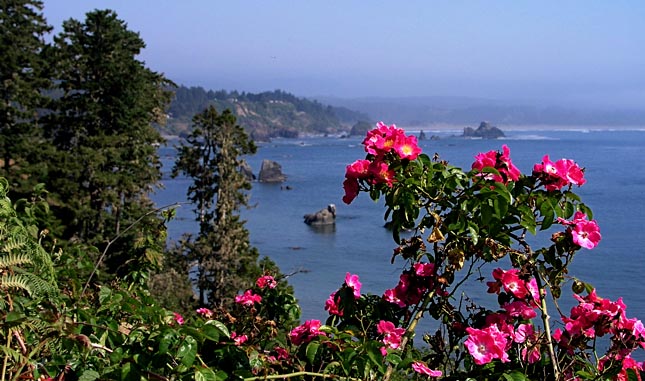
[224, 259]
[102, 127]
[22, 31]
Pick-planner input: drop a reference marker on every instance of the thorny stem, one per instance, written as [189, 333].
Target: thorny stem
[547, 328]
[409, 331]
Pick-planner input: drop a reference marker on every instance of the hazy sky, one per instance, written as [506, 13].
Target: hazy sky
[573, 51]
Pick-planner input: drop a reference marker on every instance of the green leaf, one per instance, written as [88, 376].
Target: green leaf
[568, 210]
[187, 351]
[347, 358]
[487, 213]
[89, 375]
[375, 355]
[393, 359]
[129, 373]
[220, 326]
[548, 214]
[586, 210]
[528, 218]
[585, 374]
[205, 374]
[632, 375]
[312, 349]
[473, 229]
[514, 376]
[166, 340]
[104, 294]
[14, 316]
[210, 332]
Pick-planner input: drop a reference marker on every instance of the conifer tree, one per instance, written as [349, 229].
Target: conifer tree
[212, 155]
[22, 80]
[106, 160]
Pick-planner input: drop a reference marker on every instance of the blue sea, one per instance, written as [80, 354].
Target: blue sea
[318, 259]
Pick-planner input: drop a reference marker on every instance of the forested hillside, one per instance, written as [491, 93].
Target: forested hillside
[264, 115]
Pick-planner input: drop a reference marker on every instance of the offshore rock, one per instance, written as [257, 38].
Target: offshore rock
[322, 217]
[484, 131]
[246, 170]
[271, 172]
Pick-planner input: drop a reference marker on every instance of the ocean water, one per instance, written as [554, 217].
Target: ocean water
[318, 259]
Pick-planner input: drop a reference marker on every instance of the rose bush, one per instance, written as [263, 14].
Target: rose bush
[452, 228]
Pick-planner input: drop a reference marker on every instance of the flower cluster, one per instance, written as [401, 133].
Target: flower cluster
[557, 175]
[391, 335]
[501, 161]
[178, 318]
[412, 285]
[422, 368]
[584, 233]
[595, 317]
[248, 298]
[627, 363]
[266, 281]
[383, 139]
[239, 339]
[511, 283]
[277, 354]
[205, 312]
[306, 332]
[333, 303]
[519, 298]
[380, 143]
[487, 344]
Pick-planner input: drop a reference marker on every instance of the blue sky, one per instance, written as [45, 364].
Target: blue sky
[563, 52]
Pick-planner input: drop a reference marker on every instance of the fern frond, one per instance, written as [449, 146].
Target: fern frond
[10, 260]
[16, 281]
[6, 210]
[14, 242]
[37, 284]
[14, 355]
[32, 269]
[42, 261]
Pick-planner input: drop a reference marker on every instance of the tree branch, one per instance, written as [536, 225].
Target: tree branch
[110, 242]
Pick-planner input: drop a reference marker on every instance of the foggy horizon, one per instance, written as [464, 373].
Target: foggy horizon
[573, 54]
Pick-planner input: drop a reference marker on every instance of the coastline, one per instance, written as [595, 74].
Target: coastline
[441, 127]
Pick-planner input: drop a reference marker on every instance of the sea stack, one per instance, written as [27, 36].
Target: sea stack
[271, 172]
[484, 131]
[322, 217]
